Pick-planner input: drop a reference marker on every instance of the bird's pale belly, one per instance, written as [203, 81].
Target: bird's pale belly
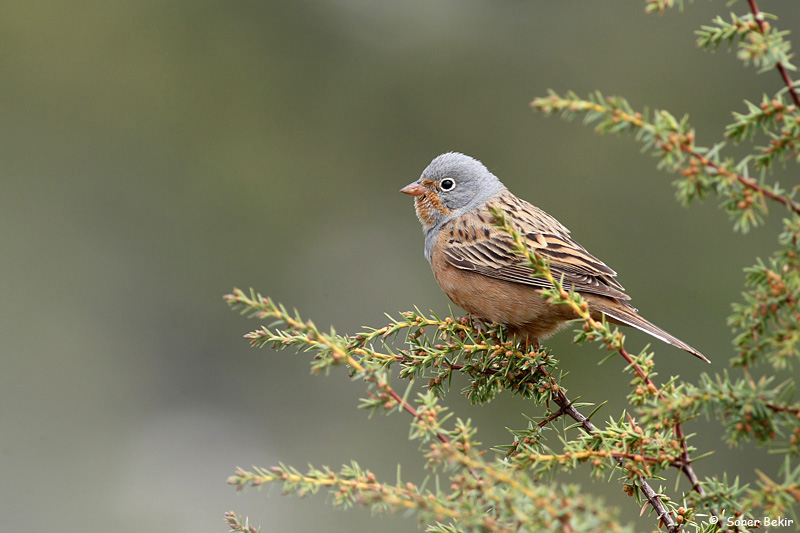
[518, 306]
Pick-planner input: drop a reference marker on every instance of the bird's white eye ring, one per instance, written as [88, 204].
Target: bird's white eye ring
[447, 184]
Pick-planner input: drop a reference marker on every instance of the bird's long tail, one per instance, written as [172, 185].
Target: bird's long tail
[622, 313]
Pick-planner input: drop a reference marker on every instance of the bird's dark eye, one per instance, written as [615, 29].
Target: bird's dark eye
[447, 184]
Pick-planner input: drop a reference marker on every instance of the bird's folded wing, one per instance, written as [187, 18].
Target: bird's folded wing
[493, 256]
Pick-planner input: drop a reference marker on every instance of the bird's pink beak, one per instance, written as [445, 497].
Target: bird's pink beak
[414, 189]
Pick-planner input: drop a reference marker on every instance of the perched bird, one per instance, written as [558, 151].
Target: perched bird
[473, 261]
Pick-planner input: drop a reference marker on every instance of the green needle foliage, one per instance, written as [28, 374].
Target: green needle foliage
[509, 486]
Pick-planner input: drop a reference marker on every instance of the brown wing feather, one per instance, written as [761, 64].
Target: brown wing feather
[477, 246]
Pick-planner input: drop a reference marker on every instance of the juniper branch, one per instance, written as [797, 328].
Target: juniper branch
[304, 335]
[780, 66]
[673, 142]
[652, 497]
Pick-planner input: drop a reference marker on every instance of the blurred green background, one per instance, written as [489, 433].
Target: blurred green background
[155, 154]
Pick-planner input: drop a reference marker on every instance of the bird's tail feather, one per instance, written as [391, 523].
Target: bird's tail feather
[624, 314]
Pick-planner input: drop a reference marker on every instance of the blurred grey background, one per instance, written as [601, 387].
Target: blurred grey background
[155, 154]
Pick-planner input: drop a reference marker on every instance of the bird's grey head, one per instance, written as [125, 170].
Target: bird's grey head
[453, 184]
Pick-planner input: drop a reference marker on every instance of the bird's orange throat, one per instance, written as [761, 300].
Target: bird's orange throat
[426, 205]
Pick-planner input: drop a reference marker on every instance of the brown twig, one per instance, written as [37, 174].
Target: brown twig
[685, 464]
[411, 410]
[746, 182]
[652, 497]
[759, 18]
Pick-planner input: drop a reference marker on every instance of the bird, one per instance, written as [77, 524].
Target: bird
[474, 263]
